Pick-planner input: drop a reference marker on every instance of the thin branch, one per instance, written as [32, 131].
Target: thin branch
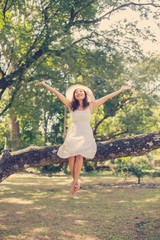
[114, 9]
[155, 88]
[1, 93]
[120, 105]
[5, 8]
[2, 72]
[110, 136]
[18, 86]
[74, 14]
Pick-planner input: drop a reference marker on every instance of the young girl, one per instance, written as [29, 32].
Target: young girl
[79, 141]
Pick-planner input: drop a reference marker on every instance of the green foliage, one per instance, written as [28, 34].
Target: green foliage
[133, 112]
[40, 116]
[40, 38]
[137, 168]
[51, 169]
[1, 20]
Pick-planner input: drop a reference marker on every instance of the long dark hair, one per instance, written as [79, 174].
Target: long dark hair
[75, 103]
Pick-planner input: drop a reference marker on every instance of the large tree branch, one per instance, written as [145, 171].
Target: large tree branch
[41, 156]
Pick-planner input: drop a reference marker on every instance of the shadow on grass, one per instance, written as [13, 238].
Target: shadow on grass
[39, 208]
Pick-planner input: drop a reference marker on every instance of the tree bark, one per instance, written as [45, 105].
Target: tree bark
[40, 156]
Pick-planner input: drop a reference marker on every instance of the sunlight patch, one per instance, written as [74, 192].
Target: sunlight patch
[16, 200]
[3, 227]
[81, 222]
[39, 230]
[67, 234]
[4, 188]
[155, 199]
[38, 208]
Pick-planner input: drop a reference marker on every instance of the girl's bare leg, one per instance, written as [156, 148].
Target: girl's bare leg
[71, 162]
[77, 169]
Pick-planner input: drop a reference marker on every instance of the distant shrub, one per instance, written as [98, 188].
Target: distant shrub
[136, 168]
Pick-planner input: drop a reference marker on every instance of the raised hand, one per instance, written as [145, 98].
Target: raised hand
[125, 88]
[40, 83]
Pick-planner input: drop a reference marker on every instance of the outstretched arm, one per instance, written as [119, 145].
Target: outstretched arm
[104, 99]
[62, 98]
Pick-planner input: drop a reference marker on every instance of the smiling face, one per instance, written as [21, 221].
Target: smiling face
[79, 94]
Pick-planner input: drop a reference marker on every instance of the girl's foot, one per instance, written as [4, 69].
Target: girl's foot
[72, 192]
[76, 187]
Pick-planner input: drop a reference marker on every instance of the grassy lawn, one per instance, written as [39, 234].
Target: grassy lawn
[34, 207]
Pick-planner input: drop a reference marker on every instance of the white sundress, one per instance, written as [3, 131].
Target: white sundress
[79, 138]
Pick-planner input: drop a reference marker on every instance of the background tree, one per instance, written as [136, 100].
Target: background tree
[138, 168]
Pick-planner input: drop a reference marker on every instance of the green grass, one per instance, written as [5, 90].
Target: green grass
[35, 207]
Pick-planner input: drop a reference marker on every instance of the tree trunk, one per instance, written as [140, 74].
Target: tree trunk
[139, 180]
[41, 156]
[14, 140]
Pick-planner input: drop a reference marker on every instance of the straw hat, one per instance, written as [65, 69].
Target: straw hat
[70, 91]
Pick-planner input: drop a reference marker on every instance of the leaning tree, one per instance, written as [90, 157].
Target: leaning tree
[11, 163]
